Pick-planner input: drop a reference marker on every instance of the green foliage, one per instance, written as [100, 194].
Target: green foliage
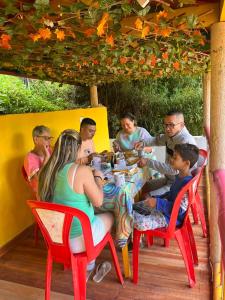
[39, 96]
[151, 99]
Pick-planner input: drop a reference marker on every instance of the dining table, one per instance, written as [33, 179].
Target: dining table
[119, 200]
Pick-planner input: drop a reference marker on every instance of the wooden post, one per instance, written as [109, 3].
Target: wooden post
[94, 95]
[206, 82]
[217, 142]
[206, 99]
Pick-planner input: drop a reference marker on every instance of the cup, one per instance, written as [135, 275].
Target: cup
[96, 162]
[121, 163]
[119, 179]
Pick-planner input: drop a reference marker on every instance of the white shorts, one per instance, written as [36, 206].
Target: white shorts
[98, 232]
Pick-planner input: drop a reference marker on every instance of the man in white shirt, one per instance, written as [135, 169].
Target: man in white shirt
[87, 148]
[175, 133]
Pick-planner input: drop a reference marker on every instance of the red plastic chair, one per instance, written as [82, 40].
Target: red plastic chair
[197, 206]
[183, 235]
[36, 228]
[54, 221]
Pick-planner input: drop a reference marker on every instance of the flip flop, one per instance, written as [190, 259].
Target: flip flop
[101, 271]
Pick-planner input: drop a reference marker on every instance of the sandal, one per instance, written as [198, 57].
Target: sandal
[101, 271]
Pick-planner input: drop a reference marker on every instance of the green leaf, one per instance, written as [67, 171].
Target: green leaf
[143, 12]
[192, 21]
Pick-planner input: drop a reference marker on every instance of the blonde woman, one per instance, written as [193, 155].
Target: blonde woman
[64, 182]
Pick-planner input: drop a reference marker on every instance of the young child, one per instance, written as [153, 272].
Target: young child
[155, 212]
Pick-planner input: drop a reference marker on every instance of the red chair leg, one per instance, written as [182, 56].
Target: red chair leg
[48, 276]
[136, 242]
[79, 267]
[201, 214]
[194, 212]
[184, 245]
[36, 229]
[192, 242]
[115, 260]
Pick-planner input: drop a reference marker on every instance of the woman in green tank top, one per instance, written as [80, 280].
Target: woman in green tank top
[64, 182]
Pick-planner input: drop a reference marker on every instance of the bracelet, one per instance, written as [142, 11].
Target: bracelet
[98, 177]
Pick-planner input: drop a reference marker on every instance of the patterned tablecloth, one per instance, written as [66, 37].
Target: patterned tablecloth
[119, 200]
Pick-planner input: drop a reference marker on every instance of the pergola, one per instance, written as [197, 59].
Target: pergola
[92, 42]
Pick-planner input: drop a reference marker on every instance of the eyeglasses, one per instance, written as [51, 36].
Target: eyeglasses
[45, 137]
[171, 125]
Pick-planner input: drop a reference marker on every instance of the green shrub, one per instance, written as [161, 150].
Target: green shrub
[148, 99]
[151, 99]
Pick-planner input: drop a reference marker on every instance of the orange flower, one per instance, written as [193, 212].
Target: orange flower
[142, 61]
[138, 24]
[95, 62]
[35, 37]
[162, 15]
[156, 29]
[4, 42]
[160, 73]
[110, 40]
[153, 60]
[202, 42]
[102, 24]
[123, 60]
[165, 32]
[89, 32]
[165, 55]
[45, 33]
[60, 34]
[145, 31]
[197, 32]
[176, 65]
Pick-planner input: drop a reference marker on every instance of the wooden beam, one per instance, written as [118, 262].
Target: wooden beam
[94, 96]
[208, 14]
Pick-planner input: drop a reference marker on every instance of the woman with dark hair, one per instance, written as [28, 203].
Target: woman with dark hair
[130, 134]
[65, 182]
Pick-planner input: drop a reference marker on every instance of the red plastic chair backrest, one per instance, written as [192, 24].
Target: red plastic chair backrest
[203, 153]
[188, 189]
[53, 213]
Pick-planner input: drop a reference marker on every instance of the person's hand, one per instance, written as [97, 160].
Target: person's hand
[116, 146]
[138, 145]
[142, 162]
[98, 173]
[46, 152]
[82, 161]
[148, 149]
[150, 202]
[99, 178]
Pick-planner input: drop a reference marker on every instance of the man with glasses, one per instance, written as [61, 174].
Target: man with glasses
[175, 133]
[39, 156]
[87, 148]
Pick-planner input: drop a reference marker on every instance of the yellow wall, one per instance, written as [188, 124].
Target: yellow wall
[15, 142]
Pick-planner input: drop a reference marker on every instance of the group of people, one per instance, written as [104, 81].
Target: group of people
[62, 175]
